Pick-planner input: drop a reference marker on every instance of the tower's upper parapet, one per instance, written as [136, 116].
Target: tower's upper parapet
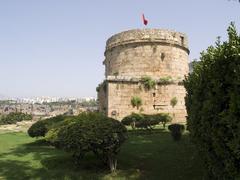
[147, 52]
[163, 36]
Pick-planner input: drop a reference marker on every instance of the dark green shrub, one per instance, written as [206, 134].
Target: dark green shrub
[40, 128]
[146, 121]
[132, 119]
[155, 119]
[90, 132]
[148, 82]
[213, 107]
[102, 85]
[51, 135]
[176, 131]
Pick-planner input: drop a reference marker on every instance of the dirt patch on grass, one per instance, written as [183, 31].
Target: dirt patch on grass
[18, 127]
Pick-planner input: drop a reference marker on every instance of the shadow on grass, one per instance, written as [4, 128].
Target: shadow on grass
[13, 169]
[145, 155]
[157, 156]
[146, 132]
[38, 160]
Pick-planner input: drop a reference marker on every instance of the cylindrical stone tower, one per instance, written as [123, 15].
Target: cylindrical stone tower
[132, 55]
[152, 52]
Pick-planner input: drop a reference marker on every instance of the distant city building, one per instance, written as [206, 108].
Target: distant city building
[46, 106]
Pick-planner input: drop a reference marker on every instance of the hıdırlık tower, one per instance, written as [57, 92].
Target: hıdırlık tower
[133, 55]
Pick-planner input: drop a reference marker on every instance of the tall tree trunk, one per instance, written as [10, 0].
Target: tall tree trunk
[133, 125]
[112, 163]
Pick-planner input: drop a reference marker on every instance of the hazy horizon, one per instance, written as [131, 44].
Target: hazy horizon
[4, 97]
[56, 48]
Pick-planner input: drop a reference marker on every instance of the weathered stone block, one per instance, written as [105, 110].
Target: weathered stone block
[137, 53]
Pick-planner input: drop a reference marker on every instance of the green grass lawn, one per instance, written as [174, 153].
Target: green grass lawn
[143, 156]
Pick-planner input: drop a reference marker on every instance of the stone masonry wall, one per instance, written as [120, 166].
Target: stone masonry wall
[155, 53]
[133, 54]
[103, 97]
[121, 93]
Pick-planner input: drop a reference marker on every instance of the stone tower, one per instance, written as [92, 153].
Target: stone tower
[133, 56]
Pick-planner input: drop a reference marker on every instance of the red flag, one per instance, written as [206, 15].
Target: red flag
[145, 21]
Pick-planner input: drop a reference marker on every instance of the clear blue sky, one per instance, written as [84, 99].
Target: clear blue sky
[56, 47]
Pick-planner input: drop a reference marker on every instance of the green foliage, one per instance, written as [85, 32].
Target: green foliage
[192, 65]
[155, 119]
[13, 118]
[163, 118]
[136, 101]
[102, 85]
[146, 121]
[176, 131]
[173, 102]
[90, 132]
[165, 80]
[213, 107]
[98, 88]
[116, 73]
[7, 102]
[148, 82]
[132, 120]
[40, 128]
[90, 103]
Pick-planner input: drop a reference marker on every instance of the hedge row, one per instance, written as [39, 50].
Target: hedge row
[146, 121]
[13, 118]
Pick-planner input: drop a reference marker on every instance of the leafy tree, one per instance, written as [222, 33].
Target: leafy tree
[173, 103]
[132, 120]
[213, 107]
[15, 117]
[146, 121]
[192, 65]
[163, 118]
[90, 103]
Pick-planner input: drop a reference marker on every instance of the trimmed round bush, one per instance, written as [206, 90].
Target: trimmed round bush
[132, 120]
[155, 119]
[176, 131]
[40, 128]
[146, 121]
[90, 132]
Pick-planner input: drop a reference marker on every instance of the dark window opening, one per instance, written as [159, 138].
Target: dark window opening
[154, 94]
[154, 49]
[182, 40]
[162, 56]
